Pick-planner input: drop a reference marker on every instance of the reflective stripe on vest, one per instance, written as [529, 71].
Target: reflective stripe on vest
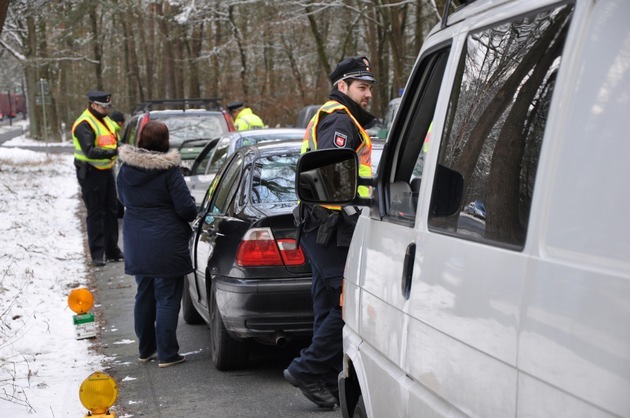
[105, 137]
[364, 150]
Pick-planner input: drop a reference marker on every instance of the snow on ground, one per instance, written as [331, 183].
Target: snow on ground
[42, 259]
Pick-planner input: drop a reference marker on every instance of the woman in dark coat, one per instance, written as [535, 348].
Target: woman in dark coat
[156, 230]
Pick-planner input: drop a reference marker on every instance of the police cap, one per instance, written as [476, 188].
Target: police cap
[117, 116]
[357, 68]
[101, 98]
[235, 105]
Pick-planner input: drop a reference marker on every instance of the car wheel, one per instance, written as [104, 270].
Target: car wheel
[359, 410]
[191, 316]
[227, 353]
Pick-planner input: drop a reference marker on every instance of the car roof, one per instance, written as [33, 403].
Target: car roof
[187, 112]
[265, 132]
[180, 105]
[268, 148]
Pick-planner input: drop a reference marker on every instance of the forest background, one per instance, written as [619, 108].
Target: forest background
[275, 55]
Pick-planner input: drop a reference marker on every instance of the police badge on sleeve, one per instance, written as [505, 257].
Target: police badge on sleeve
[340, 140]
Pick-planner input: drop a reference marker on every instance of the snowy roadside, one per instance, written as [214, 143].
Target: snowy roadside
[42, 259]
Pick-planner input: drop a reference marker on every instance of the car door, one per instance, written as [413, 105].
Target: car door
[219, 196]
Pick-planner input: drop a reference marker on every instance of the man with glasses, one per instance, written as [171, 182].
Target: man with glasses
[95, 150]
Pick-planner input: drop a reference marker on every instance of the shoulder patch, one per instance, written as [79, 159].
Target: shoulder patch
[340, 139]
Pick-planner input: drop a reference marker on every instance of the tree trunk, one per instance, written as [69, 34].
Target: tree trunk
[241, 51]
[30, 70]
[146, 29]
[319, 42]
[196, 44]
[131, 60]
[97, 49]
[167, 51]
[4, 6]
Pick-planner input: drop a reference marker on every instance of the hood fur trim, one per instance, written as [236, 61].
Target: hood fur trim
[149, 160]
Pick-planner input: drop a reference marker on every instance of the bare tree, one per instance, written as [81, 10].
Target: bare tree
[4, 6]
[275, 54]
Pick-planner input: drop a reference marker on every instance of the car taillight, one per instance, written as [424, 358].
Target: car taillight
[258, 248]
[143, 121]
[292, 255]
[230, 123]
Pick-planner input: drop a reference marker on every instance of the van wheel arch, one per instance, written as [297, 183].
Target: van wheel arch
[351, 393]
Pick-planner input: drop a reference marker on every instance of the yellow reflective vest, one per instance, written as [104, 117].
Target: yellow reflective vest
[105, 137]
[364, 150]
[246, 119]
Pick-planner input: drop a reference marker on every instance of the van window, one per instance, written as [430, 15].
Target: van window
[495, 124]
[403, 175]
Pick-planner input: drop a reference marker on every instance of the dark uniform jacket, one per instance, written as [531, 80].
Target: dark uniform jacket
[158, 209]
[337, 124]
[340, 123]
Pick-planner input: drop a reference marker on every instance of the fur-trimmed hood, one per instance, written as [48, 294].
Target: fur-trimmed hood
[148, 160]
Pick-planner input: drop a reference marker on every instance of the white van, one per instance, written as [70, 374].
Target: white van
[490, 274]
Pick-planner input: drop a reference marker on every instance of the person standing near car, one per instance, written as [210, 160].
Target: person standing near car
[95, 150]
[119, 118]
[244, 117]
[156, 230]
[327, 231]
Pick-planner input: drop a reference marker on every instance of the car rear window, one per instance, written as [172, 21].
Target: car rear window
[274, 179]
[203, 126]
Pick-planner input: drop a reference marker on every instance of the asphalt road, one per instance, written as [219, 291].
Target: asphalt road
[10, 133]
[194, 388]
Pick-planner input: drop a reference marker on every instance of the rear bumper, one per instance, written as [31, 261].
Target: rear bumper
[265, 309]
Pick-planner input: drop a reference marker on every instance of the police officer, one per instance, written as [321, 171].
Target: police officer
[327, 231]
[95, 149]
[119, 118]
[244, 117]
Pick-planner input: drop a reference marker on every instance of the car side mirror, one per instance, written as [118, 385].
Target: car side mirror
[327, 176]
[185, 171]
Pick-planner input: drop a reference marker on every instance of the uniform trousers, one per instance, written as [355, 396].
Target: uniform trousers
[322, 360]
[155, 313]
[98, 189]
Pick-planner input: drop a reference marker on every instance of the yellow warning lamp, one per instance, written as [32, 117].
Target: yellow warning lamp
[98, 393]
[80, 300]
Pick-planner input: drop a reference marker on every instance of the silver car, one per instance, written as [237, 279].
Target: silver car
[211, 158]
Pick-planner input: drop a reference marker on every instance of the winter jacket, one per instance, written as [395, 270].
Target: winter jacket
[246, 119]
[158, 209]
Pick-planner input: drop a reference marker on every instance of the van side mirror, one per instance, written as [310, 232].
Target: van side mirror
[327, 176]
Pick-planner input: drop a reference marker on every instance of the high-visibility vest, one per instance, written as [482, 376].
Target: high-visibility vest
[364, 150]
[106, 137]
[246, 119]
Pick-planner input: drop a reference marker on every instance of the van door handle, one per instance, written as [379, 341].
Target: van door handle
[407, 273]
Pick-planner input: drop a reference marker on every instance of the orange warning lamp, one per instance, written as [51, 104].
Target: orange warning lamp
[80, 300]
[98, 393]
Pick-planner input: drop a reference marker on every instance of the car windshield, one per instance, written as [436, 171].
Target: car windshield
[274, 179]
[192, 126]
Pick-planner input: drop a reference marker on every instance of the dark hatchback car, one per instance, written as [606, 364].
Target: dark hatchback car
[251, 281]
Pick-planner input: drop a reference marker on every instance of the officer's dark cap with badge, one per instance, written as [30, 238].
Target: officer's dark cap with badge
[101, 98]
[357, 68]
